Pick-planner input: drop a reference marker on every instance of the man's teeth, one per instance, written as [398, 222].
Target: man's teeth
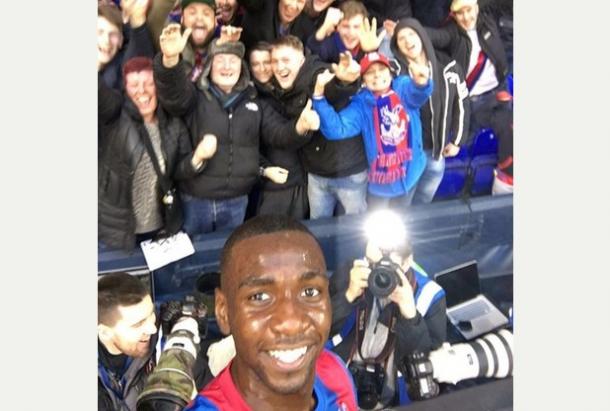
[288, 356]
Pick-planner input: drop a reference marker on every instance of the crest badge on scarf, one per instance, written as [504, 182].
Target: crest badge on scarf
[391, 133]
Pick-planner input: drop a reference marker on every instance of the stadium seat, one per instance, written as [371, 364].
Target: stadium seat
[454, 178]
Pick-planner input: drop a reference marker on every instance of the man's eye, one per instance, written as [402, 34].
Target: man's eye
[259, 297]
[311, 292]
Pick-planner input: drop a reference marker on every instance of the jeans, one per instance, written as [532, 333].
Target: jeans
[204, 215]
[395, 203]
[430, 180]
[324, 192]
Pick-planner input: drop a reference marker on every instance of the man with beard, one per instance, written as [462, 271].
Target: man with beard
[336, 171]
[127, 334]
[273, 299]
[267, 20]
[222, 107]
[197, 15]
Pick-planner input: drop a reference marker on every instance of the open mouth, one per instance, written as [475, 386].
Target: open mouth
[289, 359]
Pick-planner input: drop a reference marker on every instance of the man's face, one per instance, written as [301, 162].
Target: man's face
[290, 10]
[226, 9]
[321, 5]
[409, 43]
[109, 40]
[286, 63]
[466, 17]
[131, 333]
[275, 302]
[260, 65]
[199, 17]
[141, 89]
[377, 78]
[226, 69]
[349, 31]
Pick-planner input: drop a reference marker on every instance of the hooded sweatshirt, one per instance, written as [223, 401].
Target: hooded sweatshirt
[439, 126]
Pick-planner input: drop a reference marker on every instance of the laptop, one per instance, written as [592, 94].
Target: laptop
[467, 309]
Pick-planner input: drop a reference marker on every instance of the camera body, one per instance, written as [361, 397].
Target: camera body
[384, 278]
[369, 379]
[172, 311]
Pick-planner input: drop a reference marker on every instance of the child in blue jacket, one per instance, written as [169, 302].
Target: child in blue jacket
[386, 113]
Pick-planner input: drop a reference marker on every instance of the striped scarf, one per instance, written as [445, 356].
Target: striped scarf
[392, 137]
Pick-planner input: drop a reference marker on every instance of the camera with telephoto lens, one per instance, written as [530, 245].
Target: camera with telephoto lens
[383, 278]
[172, 311]
[368, 379]
[490, 356]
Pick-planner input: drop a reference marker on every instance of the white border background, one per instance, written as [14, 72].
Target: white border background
[49, 202]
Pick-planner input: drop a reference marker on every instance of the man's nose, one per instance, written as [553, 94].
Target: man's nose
[290, 318]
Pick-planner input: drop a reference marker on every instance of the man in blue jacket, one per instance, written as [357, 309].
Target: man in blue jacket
[386, 113]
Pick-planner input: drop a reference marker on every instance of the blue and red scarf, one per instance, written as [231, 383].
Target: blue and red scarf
[392, 137]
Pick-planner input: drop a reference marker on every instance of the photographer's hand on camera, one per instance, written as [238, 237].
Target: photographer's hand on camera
[403, 297]
[358, 280]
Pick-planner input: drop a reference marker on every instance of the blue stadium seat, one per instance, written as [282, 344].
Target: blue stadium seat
[484, 143]
[454, 178]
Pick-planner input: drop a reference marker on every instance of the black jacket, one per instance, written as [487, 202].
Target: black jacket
[445, 116]
[238, 126]
[321, 156]
[134, 379]
[261, 22]
[287, 158]
[453, 40]
[120, 149]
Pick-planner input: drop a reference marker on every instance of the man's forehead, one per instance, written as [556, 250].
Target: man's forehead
[284, 50]
[132, 314]
[262, 249]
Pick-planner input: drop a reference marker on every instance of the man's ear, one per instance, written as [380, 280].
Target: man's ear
[222, 311]
[104, 332]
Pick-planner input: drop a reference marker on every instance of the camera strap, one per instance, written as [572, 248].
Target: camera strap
[362, 318]
[163, 179]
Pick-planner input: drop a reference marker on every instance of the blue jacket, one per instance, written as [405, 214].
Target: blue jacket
[357, 118]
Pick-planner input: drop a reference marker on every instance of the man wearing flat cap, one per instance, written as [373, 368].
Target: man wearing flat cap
[222, 110]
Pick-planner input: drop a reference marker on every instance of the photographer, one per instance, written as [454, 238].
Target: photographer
[375, 327]
[127, 338]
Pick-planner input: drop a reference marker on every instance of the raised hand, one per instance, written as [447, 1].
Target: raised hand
[308, 120]
[135, 10]
[229, 34]
[358, 280]
[348, 69]
[332, 19]
[278, 175]
[403, 297]
[172, 43]
[389, 26]
[321, 81]
[369, 40]
[205, 149]
[420, 73]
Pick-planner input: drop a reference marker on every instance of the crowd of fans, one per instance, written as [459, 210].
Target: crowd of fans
[211, 112]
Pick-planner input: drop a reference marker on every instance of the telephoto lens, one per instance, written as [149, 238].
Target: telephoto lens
[490, 356]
